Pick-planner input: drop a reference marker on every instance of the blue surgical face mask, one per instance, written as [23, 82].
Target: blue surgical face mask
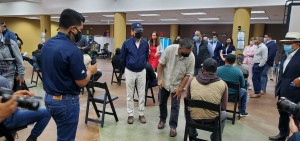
[196, 38]
[214, 39]
[265, 40]
[288, 48]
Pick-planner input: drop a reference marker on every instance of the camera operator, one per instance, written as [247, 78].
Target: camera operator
[14, 117]
[289, 80]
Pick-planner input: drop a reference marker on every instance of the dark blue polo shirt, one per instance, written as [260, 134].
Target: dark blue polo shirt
[62, 65]
[132, 57]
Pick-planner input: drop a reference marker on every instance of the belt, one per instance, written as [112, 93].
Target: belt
[61, 97]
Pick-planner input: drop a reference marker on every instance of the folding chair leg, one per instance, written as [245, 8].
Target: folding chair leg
[113, 110]
[32, 76]
[87, 111]
[186, 132]
[103, 112]
[95, 108]
[153, 98]
[146, 97]
[112, 78]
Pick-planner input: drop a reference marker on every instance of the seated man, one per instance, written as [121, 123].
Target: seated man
[25, 117]
[36, 57]
[234, 75]
[244, 68]
[150, 75]
[206, 86]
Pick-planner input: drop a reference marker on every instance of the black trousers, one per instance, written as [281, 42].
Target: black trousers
[283, 125]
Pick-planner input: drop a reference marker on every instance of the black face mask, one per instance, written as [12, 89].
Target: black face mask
[78, 36]
[138, 35]
[185, 54]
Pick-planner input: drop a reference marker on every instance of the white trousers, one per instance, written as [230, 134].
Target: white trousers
[138, 78]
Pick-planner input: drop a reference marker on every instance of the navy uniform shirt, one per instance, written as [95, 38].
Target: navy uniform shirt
[132, 57]
[62, 65]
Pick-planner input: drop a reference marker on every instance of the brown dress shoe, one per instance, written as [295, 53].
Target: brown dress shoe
[161, 125]
[142, 119]
[255, 95]
[130, 120]
[173, 132]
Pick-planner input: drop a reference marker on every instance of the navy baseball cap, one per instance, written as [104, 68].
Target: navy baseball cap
[136, 27]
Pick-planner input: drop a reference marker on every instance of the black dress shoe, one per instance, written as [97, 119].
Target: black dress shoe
[277, 138]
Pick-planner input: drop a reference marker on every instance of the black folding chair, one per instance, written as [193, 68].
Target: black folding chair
[207, 125]
[235, 98]
[9, 133]
[104, 99]
[146, 93]
[117, 72]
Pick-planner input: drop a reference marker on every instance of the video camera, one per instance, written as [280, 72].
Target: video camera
[290, 107]
[23, 102]
[94, 59]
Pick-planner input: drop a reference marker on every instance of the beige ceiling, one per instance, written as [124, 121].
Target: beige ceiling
[275, 14]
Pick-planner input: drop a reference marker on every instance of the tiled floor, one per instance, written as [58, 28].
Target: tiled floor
[261, 122]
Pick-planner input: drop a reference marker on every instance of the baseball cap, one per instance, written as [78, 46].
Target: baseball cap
[136, 26]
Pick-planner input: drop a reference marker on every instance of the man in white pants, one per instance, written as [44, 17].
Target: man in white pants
[134, 57]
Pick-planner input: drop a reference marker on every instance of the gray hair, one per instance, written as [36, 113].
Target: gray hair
[186, 43]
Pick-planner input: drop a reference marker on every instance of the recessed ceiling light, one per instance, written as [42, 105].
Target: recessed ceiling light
[109, 16]
[148, 15]
[197, 13]
[135, 20]
[258, 12]
[32, 18]
[169, 19]
[55, 17]
[208, 19]
[259, 18]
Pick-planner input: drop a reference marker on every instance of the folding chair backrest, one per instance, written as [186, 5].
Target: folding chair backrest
[98, 85]
[190, 103]
[232, 85]
[201, 104]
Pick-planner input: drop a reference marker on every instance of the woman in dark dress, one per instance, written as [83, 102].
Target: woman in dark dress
[227, 49]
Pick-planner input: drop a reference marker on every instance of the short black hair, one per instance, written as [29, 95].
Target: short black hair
[40, 46]
[215, 35]
[210, 65]
[186, 43]
[2, 22]
[269, 35]
[230, 58]
[70, 17]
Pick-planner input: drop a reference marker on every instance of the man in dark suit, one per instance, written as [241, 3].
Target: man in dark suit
[200, 51]
[289, 80]
[216, 48]
[271, 45]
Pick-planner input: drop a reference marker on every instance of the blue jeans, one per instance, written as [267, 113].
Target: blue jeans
[243, 100]
[256, 77]
[175, 106]
[25, 117]
[65, 113]
[264, 78]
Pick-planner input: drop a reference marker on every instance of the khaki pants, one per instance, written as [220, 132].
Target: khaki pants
[138, 78]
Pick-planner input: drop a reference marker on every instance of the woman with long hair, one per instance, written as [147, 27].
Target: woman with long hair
[229, 48]
[249, 54]
[155, 50]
